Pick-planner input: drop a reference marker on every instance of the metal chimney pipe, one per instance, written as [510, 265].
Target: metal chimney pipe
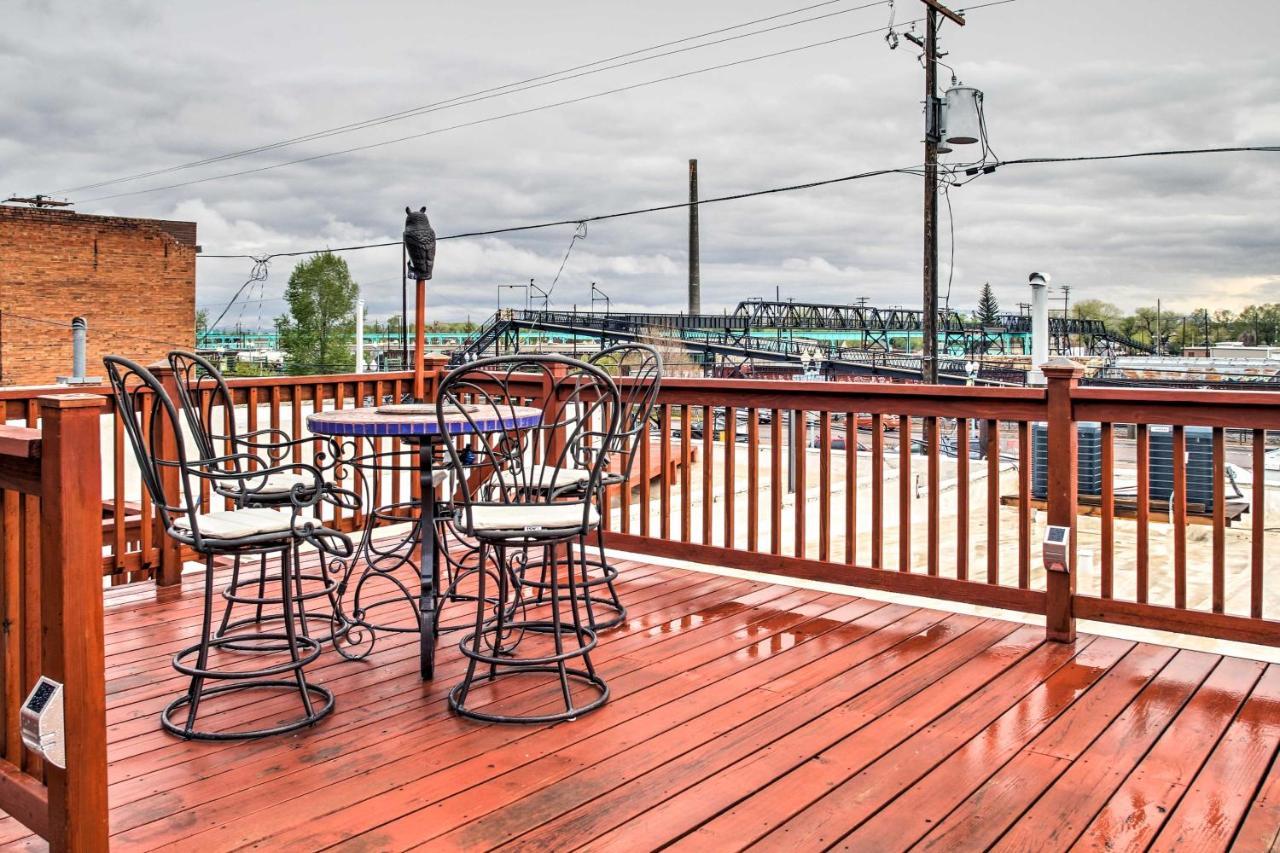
[79, 341]
[79, 334]
[1039, 326]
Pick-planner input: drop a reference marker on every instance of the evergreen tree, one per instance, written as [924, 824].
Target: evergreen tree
[318, 334]
[988, 307]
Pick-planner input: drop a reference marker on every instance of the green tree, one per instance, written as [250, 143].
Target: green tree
[319, 332]
[1096, 309]
[202, 324]
[988, 307]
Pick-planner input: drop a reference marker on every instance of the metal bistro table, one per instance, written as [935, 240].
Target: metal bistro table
[416, 425]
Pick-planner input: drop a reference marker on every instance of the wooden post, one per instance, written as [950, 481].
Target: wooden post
[434, 369]
[420, 343]
[71, 614]
[169, 572]
[1062, 375]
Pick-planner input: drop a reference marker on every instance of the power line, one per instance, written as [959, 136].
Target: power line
[506, 89]
[514, 114]
[906, 170]
[912, 170]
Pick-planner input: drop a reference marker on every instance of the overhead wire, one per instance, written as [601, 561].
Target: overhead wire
[540, 81]
[515, 113]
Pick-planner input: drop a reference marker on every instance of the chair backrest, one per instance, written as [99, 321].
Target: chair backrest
[640, 367]
[504, 455]
[201, 388]
[146, 411]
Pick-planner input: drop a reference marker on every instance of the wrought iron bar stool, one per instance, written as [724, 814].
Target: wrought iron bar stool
[202, 390]
[641, 367]
[504, 504]
[235, 533]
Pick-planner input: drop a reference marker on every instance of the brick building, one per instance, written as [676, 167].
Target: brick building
[133, 280]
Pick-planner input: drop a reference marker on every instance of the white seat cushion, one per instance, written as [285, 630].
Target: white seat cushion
[237, 523]
[549, 477]
[276, 484]
[530, 517]
[283, 483]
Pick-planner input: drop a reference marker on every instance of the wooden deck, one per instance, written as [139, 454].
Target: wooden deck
[743, 714]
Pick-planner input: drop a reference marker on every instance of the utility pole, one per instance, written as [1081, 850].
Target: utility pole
[932, 136]
[695, 261]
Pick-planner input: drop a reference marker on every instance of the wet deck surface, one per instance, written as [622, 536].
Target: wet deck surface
[743, 714]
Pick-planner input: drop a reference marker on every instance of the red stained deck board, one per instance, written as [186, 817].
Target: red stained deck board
[428, 731]
[710, 704]
[792, 714]
[856, 798]
[726, 692]
[991, 809]
[1061, 814]
[1210, 812]
[915, 811]
[1134, 815]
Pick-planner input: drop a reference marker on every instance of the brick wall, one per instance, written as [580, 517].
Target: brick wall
[132, 279]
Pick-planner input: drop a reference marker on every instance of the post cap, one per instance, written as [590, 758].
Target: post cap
[1060, 367]
[1038, 279]
[71, 401]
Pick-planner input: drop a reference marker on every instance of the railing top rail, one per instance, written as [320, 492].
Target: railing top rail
[843, 390]
[19, 442]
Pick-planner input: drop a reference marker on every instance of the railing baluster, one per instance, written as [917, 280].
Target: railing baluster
[1142, 525]
[1107, 582]
[799, 456]
[146, 524]
[1220, 519]
[824, 486]
[708, 469]
[1179, 516]
[664, 480]
[904, 493]
[730, 492]
[13, 616]
[935, 484]
[877, 490]
[775, 481]
[962, 498]
[686, 521]
[1258, 509]
[993, 501]
[295, 409]
[851, 488]
[1024, 505]
[118, 513]
[753, 480]
[646, 465]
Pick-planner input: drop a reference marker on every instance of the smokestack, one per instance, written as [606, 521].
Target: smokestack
[1039, 326]
[79, 342]
[695, 262]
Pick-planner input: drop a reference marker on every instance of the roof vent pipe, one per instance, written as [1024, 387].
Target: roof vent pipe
[1039, 326]
[79, 342]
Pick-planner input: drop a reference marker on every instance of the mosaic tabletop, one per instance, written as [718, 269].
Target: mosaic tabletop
[371, 421]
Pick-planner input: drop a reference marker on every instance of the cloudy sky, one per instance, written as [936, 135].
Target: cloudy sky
[98, 91]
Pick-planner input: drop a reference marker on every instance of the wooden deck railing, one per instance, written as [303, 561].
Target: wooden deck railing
[133, 548]
[51, 596]
[955, 525]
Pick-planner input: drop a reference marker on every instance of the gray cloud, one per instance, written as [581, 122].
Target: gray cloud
[93, 93]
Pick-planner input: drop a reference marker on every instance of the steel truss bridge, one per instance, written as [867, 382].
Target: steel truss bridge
[764, 331]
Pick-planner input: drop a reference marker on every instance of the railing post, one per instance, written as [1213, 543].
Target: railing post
[169, 572]
[436, 367]
[1063, 376]
[71, 614]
